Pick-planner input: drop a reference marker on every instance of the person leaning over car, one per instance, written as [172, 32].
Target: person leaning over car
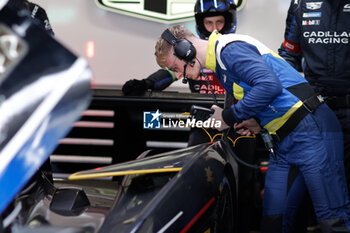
[210, 15]
[317, 42]
[272, 95]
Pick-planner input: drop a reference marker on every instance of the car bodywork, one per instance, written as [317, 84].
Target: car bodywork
[201, 195]
[43, 90]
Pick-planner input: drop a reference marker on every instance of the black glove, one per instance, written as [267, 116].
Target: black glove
[158, 81]
[136, 87]
[161, 79]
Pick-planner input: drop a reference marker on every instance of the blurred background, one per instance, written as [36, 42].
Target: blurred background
[120, 47]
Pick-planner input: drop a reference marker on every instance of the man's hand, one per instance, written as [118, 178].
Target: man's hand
[247, 127]
[217, 116]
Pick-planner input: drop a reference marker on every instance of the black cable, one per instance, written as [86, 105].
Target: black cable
[243, 162]
[184, 79]
[225, 138]
[225, 132]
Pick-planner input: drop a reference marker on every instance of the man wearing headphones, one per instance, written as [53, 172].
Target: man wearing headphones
[272, 95]
[210, 15]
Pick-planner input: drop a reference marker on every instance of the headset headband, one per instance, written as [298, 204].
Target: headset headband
[183, 48]
[169, 37]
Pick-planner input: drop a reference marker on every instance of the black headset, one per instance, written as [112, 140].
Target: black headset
[183, 49]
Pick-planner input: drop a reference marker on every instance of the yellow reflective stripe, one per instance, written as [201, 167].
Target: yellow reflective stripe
[277, 123]
[210, 62]
[238, 91]
[78, 176]
[275, 54]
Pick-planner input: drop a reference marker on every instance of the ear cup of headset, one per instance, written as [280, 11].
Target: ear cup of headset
[184, 50]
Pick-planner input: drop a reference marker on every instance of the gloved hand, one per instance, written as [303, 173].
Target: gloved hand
[158, 81]
[136, 87]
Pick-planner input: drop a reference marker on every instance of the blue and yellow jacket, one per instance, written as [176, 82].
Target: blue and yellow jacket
[262, 81]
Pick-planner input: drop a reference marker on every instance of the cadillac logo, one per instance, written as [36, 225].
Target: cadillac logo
[163, 11]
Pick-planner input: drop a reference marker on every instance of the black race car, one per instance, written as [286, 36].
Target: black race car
[188, 190]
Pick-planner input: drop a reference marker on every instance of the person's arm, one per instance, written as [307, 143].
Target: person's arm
[290, 48]
[245, 62]
[162, 79]
[158, 81]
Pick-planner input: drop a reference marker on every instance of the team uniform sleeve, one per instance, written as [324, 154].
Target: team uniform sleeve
[290, 48]
[246, 64]
[161, 79]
